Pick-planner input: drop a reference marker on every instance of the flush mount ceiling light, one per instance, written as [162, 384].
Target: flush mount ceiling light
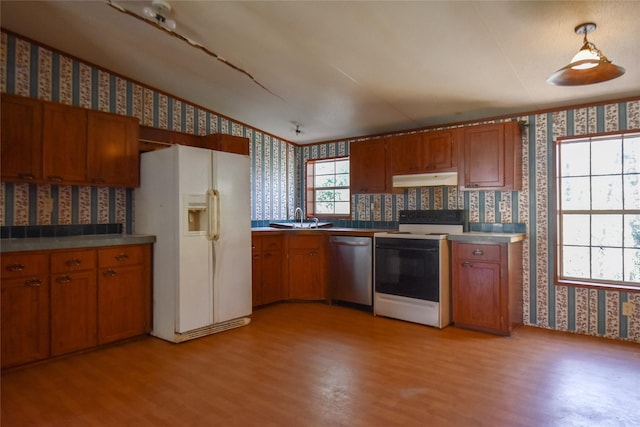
[588, 66]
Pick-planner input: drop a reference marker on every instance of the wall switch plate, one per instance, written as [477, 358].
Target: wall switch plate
[627, 308]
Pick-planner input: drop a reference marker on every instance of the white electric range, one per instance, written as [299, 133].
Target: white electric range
[412, 267]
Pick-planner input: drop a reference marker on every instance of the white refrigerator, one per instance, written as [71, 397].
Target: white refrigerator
[197, 204]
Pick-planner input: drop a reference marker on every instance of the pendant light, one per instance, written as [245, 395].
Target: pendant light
[588, 66]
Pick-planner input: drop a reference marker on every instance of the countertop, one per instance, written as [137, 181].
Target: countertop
[85, 241]
[327, 230]
[483, 237]
[467, 237]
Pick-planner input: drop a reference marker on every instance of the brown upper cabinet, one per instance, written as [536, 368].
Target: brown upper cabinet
[424, 152]
[113, 157]
[369, 172]
[64, 143]
[21, 139]
[226, 143]
[491, 157]
[49, 143]
[157, 139]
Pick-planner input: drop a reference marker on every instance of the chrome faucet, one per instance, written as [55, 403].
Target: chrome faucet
[316, 221]
[295, 216]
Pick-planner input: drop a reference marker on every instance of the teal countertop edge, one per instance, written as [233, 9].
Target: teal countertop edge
[69, 242]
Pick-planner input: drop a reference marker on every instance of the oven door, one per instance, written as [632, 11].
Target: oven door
[408, 267]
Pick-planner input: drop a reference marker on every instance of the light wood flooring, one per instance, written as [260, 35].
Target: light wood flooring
[320, 365]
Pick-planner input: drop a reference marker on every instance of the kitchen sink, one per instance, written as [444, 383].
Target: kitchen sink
[306, 225]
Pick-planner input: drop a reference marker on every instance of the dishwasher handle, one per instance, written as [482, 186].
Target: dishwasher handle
[343, 243]
[350, 241]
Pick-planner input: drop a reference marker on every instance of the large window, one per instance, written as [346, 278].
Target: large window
[328, 188]
[598, 196]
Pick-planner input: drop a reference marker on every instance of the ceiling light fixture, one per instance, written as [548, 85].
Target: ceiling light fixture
[158, 11]
[588, 66]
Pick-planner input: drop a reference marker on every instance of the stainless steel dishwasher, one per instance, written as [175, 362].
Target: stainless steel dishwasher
[351, 270]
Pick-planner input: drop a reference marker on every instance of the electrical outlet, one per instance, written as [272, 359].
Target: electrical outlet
[627, 308]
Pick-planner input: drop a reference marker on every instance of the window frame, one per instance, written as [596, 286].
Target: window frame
[559, 279]
[310, 188]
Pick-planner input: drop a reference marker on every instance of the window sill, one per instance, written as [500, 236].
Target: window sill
[604, 286]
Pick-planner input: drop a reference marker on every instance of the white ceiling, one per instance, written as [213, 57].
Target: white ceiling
[348, 68]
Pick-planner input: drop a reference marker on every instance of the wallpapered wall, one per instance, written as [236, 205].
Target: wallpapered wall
[33, 71]
[277, 167]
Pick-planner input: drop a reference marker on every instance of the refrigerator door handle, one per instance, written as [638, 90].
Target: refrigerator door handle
[213, 206]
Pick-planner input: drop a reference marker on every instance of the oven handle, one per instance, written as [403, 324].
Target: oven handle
[404, 248]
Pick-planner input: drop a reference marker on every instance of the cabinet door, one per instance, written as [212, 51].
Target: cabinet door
[368, 167]
[305, 275]
[113, 157]
[439, 153]
[25, 320]
[256, 279]
[73, 311]
[484, 154]
[21, 139]
[477, 295]
[226, 143]
[406, 154]
[273, 288]
[121, 302]
[64, 144]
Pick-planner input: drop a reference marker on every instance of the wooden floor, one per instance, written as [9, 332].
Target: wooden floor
[320, 365]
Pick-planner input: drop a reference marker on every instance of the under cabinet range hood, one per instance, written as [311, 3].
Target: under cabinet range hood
[426, 179]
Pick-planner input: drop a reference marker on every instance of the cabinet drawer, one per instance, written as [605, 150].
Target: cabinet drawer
[63, 262]
[120, 255]
[19, 265]
[272, 243]
[478, 252]
[302, 242]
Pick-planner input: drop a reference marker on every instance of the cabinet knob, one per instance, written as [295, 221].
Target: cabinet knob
[74, 262]
[15, 267]
[63, 279]
[26, 175]
[55, 178]
[467, 264]
[109, 273]
[478, 252]
[33, 283]
[122, 256]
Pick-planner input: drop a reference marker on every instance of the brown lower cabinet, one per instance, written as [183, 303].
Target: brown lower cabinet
[25, 308]
[307, 266]
[487, 286]
[268, 268]
[59, 301]
[288, 266]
